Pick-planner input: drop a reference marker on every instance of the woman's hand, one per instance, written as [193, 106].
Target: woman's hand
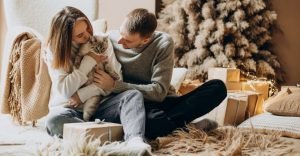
[74, 100]
[98, 57]
[103, 80]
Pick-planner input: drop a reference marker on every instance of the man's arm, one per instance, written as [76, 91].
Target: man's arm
[158, 89]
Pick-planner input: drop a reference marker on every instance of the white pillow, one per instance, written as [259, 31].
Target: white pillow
[177, 77]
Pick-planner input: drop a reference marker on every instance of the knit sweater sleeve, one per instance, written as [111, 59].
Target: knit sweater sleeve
[66, 84]
[162, 70]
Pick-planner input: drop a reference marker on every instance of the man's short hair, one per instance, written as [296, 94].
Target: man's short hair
[141, 21]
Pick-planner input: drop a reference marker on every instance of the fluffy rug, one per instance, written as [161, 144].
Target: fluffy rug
[224, 141]
[232, 141]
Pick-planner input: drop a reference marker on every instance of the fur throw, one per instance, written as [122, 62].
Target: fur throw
[223, 141]
[27, 82]
[226, 140]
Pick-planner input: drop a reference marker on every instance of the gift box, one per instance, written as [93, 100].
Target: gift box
[104, 131]
[224, 74]
[233, 85]
[254, 102]
[261, 87]
[236, 107]
[231, 111]
[188, 86]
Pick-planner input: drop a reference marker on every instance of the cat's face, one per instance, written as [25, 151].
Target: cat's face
[99, 44]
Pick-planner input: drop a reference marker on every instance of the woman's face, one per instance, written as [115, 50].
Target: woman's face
[80, 33]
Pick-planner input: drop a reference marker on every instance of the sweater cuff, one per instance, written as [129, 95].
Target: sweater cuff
[87, 64]
[119, 86]
[87, 92]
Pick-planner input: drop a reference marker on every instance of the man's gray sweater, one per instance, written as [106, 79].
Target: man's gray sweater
[147, 69]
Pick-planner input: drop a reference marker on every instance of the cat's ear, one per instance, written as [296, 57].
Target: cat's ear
[105, 36]
[93, 39]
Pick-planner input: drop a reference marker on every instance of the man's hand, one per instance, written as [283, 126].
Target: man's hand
[74, 101]
[98, 57]
[103, 80]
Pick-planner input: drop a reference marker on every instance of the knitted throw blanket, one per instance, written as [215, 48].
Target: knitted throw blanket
[27, 82]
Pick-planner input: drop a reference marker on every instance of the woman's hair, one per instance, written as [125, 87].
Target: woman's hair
[60, 36]
[141, 21]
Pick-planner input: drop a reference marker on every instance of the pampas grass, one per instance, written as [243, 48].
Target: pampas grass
[225, 140]
[79, 146]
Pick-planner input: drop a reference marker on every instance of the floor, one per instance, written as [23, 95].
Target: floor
[18, 140]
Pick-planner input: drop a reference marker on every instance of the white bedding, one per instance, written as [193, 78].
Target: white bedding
[289, 126]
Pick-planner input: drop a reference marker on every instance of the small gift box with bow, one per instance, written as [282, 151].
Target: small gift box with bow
[105, 131]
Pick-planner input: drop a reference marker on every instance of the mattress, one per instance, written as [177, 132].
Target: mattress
[287, 125]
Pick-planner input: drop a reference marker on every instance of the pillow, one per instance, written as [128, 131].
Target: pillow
[283, 93]
[285, 105]
[177, 77]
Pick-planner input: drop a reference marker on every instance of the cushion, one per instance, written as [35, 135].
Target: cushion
[286, 103]
[177, 77]
[287, 125]
[284, 92]
[287, 106]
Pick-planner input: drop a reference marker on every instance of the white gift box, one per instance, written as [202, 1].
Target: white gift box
[224, 74]
[91, 130]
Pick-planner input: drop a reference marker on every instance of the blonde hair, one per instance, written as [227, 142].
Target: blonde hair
[60, 36]
[141, 21]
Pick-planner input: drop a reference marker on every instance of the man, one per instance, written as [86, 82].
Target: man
[147, 63]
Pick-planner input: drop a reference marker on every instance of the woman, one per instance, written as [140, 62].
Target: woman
[69, 29]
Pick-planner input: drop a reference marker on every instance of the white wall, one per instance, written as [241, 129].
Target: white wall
[3, 30]
[114, 11]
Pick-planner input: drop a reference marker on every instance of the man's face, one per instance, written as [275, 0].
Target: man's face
[131, 40]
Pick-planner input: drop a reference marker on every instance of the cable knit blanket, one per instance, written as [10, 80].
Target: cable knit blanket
[27, 83]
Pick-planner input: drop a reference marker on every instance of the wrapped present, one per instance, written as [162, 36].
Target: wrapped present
[261, 87]
[233, 85]
[91, 130]
[230, 112]
[224, 74]
[254, 103]
[237, 106]
[188, 86]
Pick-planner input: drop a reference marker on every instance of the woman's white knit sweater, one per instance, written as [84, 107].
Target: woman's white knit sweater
[65, 84]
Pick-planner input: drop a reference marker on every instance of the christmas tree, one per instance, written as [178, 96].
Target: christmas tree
[222, 33]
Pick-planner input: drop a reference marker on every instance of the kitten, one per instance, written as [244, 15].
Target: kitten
[97, 44]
